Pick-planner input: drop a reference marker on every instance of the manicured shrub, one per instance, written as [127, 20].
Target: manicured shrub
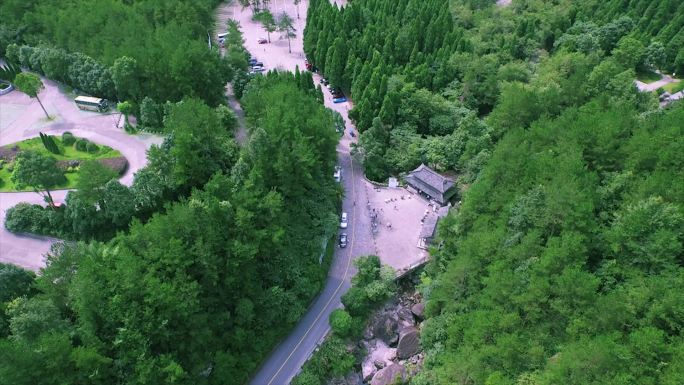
[49, 143]
[92, 147]
[81, 145]
[68, 138]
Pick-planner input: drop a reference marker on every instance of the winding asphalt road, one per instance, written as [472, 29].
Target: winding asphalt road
[286, 360]
[22, 118]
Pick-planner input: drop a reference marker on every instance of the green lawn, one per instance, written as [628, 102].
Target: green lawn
[674, 87]
[66, 153]
[6, 184]
[648, 76]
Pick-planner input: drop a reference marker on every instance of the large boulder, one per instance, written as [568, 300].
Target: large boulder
[409, 342]
[385, 328]
[418, 310]
[350, 379]
[406, 315]
[389, 375]
[378, 351]
[368, 369]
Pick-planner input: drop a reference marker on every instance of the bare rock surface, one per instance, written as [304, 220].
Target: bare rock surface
[350, 379]
[409, 342]
[368, 368]
[418, 310]
[389, 375]
[385, 327]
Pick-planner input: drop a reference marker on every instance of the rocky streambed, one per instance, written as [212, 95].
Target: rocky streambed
[390, 349]
[392, 341]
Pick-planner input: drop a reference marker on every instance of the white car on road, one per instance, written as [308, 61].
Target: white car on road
[343, 221]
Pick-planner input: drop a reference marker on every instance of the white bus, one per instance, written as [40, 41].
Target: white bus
[91, 104]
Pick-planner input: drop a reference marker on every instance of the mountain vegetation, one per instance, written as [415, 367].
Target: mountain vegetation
[565, 262]
[421, 72]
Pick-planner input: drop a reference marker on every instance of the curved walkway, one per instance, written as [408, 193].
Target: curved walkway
[22, 118]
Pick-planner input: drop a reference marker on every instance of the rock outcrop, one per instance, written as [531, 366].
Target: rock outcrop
[385, 328]
[350, 379]
[389, 375]
[368, 369]
[409, 342]
[406, 315]
[418, 310]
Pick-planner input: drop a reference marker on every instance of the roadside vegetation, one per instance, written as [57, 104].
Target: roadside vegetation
[338, 355]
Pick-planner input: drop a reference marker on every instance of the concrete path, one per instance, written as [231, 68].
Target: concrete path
[22, 118]
[648, 87]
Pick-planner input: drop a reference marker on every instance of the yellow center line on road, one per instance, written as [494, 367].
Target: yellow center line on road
[346, 271]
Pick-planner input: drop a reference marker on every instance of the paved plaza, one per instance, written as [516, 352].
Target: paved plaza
[398, 215]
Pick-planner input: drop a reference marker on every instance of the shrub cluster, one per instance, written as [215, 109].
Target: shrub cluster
[81, 145]
[28, 218]
[68, 138]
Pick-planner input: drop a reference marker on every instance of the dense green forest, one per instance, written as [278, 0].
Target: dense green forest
[565, 263]
[420, 72]
[118, 49]
[201, 292]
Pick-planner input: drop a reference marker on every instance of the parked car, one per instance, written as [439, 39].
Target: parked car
[343, 240]
[338, 174]
[336, 92]
[324, 81]
[351, 132]
[340, 99]
[262, 41]
[253, 61]
[308, 65]
[343, 221]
